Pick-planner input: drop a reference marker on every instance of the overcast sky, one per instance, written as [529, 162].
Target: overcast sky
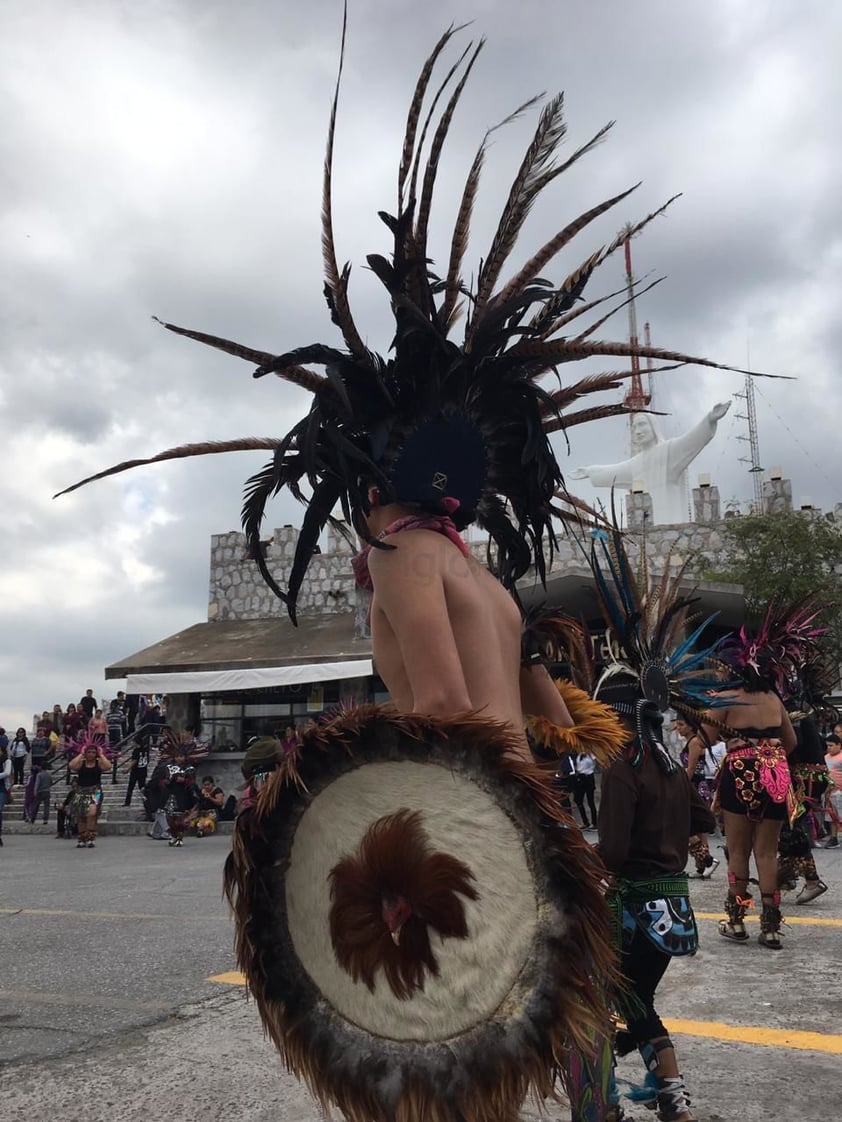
[165, 159]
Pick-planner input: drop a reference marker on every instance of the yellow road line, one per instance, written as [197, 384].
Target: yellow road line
[107, 915]
[744, 1034]
[754, 1034]
[231, 978]
[803, 921]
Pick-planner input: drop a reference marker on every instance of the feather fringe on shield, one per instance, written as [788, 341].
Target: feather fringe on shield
[596, 730]
[486, 1073]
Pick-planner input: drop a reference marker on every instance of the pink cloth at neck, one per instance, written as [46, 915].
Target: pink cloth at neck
[438, 523]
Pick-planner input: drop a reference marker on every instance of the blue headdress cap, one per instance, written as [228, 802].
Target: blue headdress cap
[444, 457]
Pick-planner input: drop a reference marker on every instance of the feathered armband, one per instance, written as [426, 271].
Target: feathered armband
[596, 730]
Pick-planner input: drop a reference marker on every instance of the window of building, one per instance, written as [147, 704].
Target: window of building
[229, 721]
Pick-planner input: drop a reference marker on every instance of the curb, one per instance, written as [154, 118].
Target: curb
[106, 829]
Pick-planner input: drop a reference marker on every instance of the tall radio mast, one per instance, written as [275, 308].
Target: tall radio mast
[647, 338]
[750, 417]
[636, 397]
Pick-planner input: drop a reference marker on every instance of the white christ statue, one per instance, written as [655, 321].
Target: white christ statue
[658, 465]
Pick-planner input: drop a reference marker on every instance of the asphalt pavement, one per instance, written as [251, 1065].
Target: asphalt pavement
[119, 997]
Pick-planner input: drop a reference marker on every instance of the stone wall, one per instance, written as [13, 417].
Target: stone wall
[704, 542]
[237, 590]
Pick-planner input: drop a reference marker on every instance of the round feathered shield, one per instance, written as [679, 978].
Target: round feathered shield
[422, 928]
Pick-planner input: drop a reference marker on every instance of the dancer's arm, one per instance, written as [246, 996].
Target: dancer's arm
[540, 698]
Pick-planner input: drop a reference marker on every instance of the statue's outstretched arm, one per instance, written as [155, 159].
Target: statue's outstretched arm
[684, 449]
[606, 475]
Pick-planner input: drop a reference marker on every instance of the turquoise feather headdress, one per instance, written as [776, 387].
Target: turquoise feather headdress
[652, 633]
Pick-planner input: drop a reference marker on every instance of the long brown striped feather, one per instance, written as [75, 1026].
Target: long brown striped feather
[299, 375]
[564, 350]
[547, 318]
[459, 242]
[594, 327]
[415, 249]
[461, 229]
[336, 283]
[208, 448]
[583, 309]
[554, 172]
[550, 317]
[554, 246]
[576, 511]
[248, 353]
[548, 136]
[416, 163]
[582, 416]
[433, 158]
[594, 383]
[414, 113]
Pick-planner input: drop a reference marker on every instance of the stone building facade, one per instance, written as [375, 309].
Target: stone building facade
[238, 591]
[327, 659]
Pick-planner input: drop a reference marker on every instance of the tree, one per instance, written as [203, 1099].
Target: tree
[792, 555]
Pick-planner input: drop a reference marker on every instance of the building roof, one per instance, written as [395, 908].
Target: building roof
[247, 644]
[573, 591]
[253, 644]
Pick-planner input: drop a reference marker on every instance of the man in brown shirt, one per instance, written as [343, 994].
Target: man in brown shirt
[647, 812]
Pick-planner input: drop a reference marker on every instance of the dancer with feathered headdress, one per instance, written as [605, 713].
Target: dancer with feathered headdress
[648, 810]
[755, 793]
[89, 764]
[413, 448]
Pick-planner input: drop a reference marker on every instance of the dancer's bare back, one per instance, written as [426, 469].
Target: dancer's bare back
[446, 635]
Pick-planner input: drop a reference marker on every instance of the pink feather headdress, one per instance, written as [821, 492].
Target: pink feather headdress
[773, 652]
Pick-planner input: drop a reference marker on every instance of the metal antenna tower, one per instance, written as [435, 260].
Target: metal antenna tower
[636, 399]
[750, 417]
[650, 381]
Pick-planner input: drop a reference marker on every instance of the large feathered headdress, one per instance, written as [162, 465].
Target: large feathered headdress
[652, 634]
[468, 420]
[181, 747]
[770, 654]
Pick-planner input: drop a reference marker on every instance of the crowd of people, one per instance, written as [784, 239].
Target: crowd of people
[85, 744]
[28, 763]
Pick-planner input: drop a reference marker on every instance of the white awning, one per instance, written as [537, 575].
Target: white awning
[225, 681]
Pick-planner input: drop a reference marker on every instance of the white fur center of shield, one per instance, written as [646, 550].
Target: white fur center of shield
[477, 973]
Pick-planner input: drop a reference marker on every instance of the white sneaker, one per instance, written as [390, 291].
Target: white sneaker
[810, 892]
